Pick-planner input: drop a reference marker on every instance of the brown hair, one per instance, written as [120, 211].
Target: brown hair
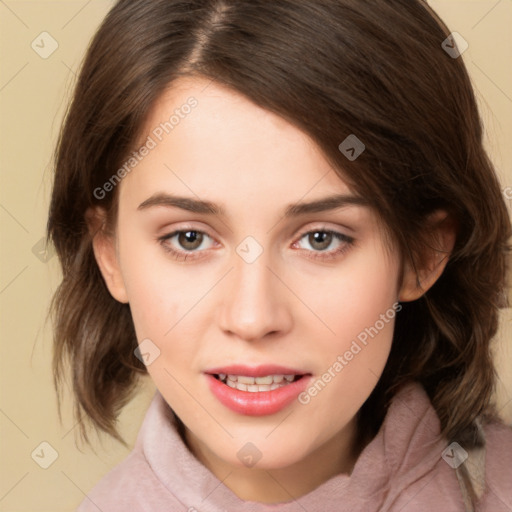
[375, 69]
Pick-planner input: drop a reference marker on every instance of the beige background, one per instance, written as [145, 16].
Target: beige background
[33, 93]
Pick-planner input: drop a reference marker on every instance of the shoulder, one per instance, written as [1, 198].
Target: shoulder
[131, 485]
[498, 467]
[424, 473]
[498, 437]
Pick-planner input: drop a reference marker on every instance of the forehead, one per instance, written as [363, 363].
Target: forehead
[212, 142]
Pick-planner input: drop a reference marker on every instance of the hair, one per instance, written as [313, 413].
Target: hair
[332, 68]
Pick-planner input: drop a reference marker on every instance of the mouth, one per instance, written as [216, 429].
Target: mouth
[256, 391]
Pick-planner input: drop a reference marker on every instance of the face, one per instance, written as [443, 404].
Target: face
[244, 286]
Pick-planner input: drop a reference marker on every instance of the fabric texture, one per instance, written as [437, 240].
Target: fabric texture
[406, 467]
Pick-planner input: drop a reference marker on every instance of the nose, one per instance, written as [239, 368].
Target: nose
[255, 301]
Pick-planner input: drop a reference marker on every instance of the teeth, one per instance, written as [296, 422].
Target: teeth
[264, 380]
[245, 380]
[255, 384]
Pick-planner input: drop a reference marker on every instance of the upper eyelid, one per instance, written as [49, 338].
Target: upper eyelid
[323, 228]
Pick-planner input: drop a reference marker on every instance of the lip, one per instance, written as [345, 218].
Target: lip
[261, 403]
[255, 371]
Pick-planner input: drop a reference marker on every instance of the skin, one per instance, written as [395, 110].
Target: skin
[284, 308]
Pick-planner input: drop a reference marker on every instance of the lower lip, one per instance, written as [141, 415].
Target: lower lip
[260, 403]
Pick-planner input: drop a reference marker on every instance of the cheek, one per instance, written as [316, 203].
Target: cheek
[165, 304]
[357, 305]
[159, 302]
[352, 297]
[155, 292]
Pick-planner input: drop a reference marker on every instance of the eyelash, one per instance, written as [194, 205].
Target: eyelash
[318, 255]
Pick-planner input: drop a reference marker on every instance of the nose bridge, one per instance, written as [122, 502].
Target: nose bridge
[253, 305]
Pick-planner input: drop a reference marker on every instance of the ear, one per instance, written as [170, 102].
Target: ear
[106, 254]
[416, 281]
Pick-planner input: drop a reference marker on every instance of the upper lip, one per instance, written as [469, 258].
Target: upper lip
[254, 371]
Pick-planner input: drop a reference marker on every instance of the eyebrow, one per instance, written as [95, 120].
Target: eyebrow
[293, 210]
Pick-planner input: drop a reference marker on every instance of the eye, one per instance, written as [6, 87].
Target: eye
[189, 241]
[321, 239]
[190, 244]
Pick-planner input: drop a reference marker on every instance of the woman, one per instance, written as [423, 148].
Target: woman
[210, 146]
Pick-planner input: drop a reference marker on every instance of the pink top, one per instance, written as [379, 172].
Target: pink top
[401, 469]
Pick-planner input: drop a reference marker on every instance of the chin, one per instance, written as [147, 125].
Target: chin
[264, 455]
